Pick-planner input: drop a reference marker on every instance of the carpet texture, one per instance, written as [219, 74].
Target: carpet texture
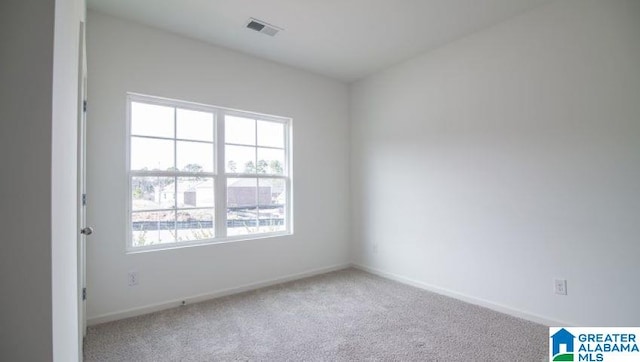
[347, 315]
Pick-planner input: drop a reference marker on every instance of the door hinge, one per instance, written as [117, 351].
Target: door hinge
[84, 199]
[84, 105]
[84, 293]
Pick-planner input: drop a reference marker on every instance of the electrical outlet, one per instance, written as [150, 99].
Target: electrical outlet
[133, 278]
[374, 248]
[560, 286]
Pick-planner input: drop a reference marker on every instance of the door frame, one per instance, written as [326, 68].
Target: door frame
[81, 240]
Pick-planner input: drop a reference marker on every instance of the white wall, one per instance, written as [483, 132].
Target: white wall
[26, 55]
[508, 158]
[64, 185]
[126, 57]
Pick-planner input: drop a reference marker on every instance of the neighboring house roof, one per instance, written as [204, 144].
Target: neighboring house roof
[238, 182]
[188, 186]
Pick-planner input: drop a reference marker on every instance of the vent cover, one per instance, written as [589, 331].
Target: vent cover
[263, 27]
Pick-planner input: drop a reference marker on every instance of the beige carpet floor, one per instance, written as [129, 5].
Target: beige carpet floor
[347, 315]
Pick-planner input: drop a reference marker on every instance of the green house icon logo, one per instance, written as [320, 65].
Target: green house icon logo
[562, 338]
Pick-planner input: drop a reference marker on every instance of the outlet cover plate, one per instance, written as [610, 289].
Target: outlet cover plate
[133, 278]
[560, 286]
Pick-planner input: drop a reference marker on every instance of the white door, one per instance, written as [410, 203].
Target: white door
[82, 192]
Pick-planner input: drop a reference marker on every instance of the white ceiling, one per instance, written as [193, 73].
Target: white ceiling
[343, 39]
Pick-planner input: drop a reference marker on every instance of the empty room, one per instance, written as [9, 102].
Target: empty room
[360, 180]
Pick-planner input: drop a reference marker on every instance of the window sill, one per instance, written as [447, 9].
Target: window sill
[188, 244]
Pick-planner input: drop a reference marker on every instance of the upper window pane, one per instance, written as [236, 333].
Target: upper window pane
[152, 120]
[270, 134]
[240, 130]
[240, 159]
[270, 161]
[194, 156]
[150, 154]
[194, 125]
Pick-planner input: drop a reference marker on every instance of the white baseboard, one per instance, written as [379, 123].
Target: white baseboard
[133, 312]
[465, 298]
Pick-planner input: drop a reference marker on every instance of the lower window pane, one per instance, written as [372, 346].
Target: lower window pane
[152, 193]
[151, 228]
[242, 200]
[271, 205]
[195, 192]
[242, 221]
[196, 224]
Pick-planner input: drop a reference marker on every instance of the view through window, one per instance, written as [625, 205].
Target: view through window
[205, 174]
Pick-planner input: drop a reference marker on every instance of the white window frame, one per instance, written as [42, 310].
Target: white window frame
[219, 173]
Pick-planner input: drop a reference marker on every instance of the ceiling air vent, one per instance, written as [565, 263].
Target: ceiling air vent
[263, 27]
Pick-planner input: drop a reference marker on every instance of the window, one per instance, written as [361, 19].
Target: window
[200, 174]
